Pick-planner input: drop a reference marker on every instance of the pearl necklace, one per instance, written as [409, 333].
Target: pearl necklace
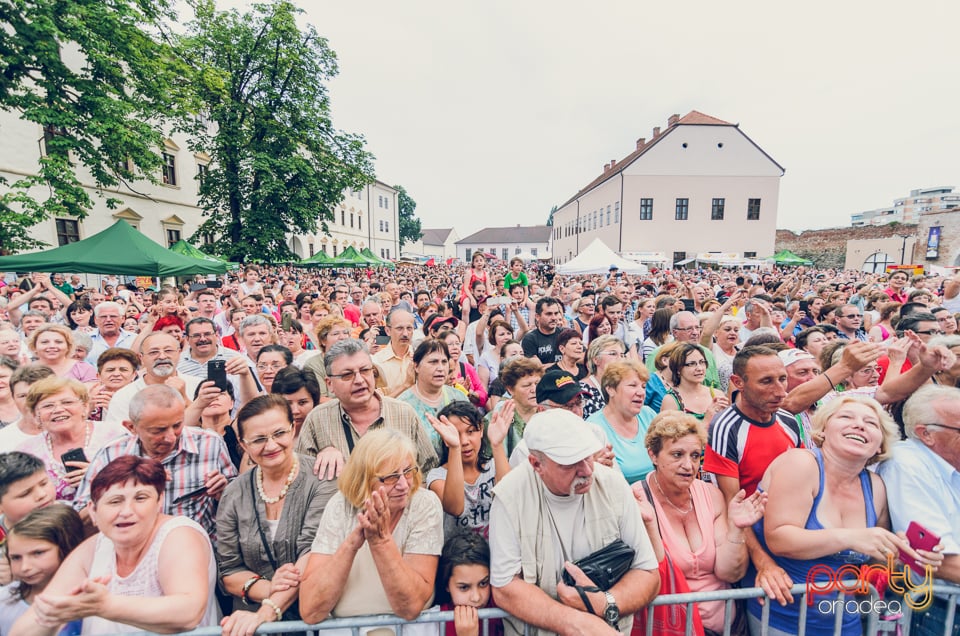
[283, 491]
[49, 443]
[667, 499]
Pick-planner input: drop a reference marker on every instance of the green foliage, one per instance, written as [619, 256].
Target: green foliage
[553, 211]
[278, 164]
[97, 78]
[409, 229]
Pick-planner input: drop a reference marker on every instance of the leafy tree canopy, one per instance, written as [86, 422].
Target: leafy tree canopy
[409, 229]
[278, 164]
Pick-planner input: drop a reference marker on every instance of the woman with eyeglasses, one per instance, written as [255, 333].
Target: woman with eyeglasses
[267, 519]
[688, 393]
[584, 309]
[379, 541]
[600, 353]
[330, 330]
[270, 360]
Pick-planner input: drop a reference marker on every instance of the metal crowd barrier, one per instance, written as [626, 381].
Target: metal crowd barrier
[872, 626]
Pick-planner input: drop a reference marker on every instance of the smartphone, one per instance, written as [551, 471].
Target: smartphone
[499, 300]
[73, 455]
[214, 284]
[920, 539]
[383, 340]
[202, 490]
[216, 371]
[197, 286]
[805, 306]
[688, 304]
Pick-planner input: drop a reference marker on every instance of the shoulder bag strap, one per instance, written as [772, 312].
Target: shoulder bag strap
[256, 513]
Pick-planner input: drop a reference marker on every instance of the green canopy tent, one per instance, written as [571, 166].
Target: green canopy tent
[350, 257]
[786, 257]
[119, 249]
[320, 259]
[182, 247]
[380, 262]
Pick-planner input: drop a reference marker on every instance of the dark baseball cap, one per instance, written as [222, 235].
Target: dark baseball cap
[558, 386]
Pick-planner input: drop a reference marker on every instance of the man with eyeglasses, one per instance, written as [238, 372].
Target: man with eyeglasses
[922, 481]
[946, 320]
[923, 324]
[159, 357]
[196, 460]
[395, 361]
[333, 428]
[685, 327]
[204, 346]
[850, 323]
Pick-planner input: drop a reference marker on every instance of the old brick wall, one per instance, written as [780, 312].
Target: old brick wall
[828, 247]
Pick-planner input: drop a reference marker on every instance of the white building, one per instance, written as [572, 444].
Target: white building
[699, 186]
[908, 209]
[168, 211]
[441, 243]
[507, 242]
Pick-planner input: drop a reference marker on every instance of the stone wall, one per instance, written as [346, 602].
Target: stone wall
[949, 221]
[828, 247]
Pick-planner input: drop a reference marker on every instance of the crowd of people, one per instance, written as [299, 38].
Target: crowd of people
[285, 444]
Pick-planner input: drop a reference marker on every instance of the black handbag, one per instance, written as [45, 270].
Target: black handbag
[606, 566]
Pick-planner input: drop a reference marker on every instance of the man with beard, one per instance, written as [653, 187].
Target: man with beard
[540, 343]
[196, 460]
[159, 356]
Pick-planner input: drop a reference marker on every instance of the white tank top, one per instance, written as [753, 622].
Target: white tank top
[144, 580]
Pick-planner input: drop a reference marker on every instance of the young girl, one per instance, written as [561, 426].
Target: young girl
[476, 273]
[36, 546]
[465, 479]
[463, 584]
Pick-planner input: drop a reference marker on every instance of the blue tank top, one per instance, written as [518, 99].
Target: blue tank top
[787, 618]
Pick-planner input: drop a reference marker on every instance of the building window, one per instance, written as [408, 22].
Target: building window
[616, 212]
[380, 225]
[749, 254]
[311, 250]
[505, 253]
[334, 251]
[202, 169]
[169, 176]
[388, 253]
[533, 251]
[68, 231]
[382, 253]
[716, 209]
[323, 248]
[683, 208]
[359, 221]
[608, 215]
[516, 251]
[646, 209]
[679, 256]
[379, 201]
[172, 237]
[208, 239]
[753, 209]
[386, 226]
[469, 252]
[343, 217]
[386, 204]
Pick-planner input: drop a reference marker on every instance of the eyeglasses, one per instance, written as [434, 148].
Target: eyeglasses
[393, 478]
[615, 354]
[198, 336]
[276, 366]
[348, 376]
[869, 370]
[338, 333]
[931, 332]
[694, 364]
[50, 407]
[260, 442]
[952, 428]
[153, 353]
[694, 328]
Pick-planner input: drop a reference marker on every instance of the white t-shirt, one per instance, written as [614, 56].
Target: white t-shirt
[119, 408]
[11, 437]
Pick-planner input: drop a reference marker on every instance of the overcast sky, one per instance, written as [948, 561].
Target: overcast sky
[491, 112]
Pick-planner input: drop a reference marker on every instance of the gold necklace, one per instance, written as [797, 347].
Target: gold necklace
[286, 486]
[656, 480]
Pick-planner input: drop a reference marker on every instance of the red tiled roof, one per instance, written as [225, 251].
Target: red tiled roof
[696, 117]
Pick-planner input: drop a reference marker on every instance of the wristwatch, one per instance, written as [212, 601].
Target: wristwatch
[612, 613]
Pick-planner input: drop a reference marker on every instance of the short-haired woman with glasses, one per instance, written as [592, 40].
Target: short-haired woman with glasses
[688, 370]
[267, 519]
[379, 540]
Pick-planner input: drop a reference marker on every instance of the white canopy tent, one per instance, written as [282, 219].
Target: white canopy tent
[597, 258]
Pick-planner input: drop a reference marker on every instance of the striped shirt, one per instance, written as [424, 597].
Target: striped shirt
[327, 425]
[198, 452]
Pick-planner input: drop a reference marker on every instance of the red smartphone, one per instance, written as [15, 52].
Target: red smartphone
[920, 539]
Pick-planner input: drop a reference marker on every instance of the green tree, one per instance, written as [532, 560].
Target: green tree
[410, 230]
[553, 211]
[278, 164]
[97, 78]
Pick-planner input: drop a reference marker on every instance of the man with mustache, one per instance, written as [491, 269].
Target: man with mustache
[159, 356]
[586, 504]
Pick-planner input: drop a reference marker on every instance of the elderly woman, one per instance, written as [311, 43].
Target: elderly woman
[600, 353]
[571, 349]
[330, 330]
[267, 519]
[430, 391]
[688, 369]
[624, 418]
[379, 540]
[116, 368]
[53, 347]
[165, 563]
[825, 509]
[707, 545]
[67, 441]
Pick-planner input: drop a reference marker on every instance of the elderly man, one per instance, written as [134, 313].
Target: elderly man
[923, 484]
[159, 356]
[557, 508]
[395, 361]
[197, 461]
[685, 327]
[108, 316]
[371, 314]
[256, 332]
[332, 429]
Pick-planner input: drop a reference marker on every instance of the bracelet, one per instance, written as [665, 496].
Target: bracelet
[824, 374]
[247, 585]
[276, 608]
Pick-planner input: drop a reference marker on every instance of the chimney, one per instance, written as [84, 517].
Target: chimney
[656, 132]
[641, 142]
[606, 167]
[613, 162]
[672, 121]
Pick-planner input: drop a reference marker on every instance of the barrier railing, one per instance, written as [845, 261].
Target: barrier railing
[947, 598]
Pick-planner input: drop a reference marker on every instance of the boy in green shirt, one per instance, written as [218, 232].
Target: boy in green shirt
[516, 276]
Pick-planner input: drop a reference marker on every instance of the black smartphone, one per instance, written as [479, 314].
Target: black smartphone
[197, 286]
[202, 490]
[216, 371]
[73, 455]
[688, 304]
[804, 306]
[383, 340]
[214, 284]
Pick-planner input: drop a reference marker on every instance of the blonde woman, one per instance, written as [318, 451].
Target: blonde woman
[53, 347]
